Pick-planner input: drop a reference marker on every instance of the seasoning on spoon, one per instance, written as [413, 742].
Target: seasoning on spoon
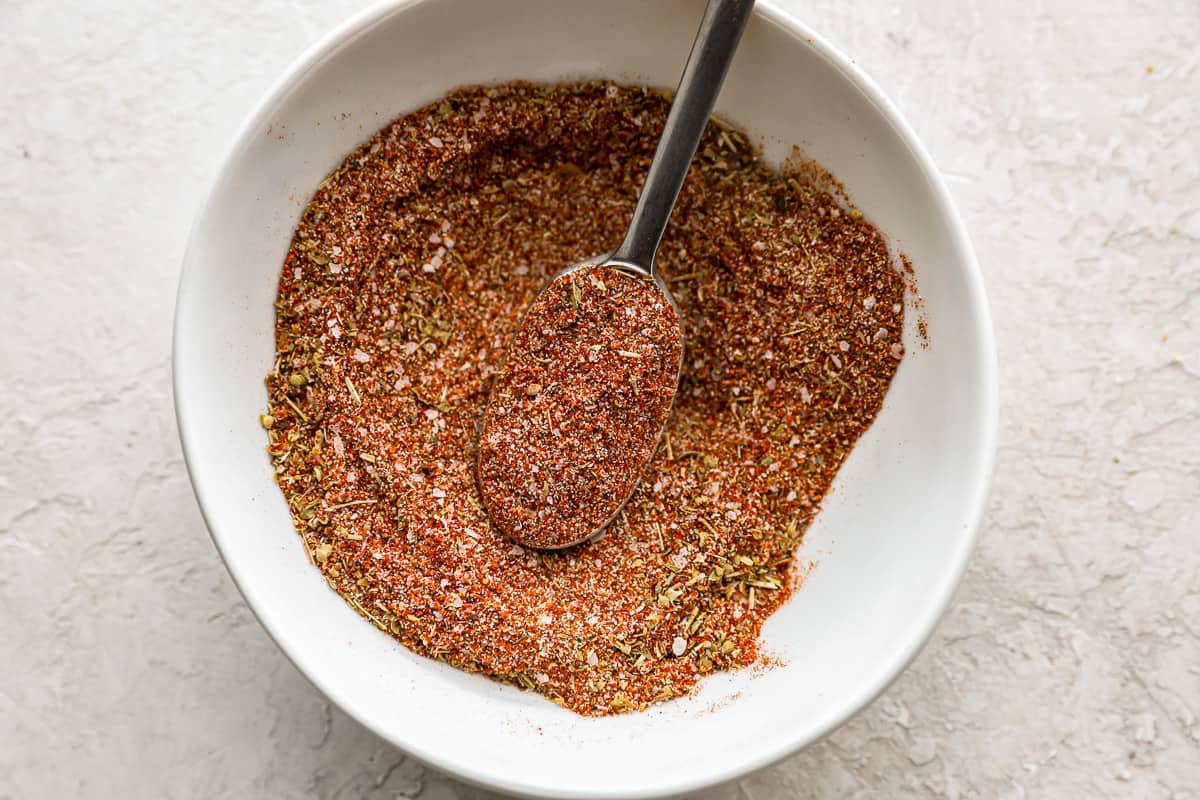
[578, 406]
[560, 497]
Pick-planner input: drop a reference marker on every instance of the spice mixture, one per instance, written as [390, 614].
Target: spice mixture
[408, 274]
[577, 409]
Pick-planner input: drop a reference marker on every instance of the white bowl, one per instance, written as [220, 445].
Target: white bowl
[890, 545]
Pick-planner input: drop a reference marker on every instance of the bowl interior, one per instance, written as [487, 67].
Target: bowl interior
[890, 544]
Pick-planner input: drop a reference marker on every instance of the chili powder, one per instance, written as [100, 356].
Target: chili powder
[404, 282]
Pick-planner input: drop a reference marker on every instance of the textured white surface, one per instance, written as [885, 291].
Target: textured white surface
[1070, 663]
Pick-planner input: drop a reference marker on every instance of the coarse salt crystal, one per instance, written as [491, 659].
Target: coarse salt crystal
[542, 677]
[792, 442]
[360, 356]
[895, 308]
[897, 350]
[805, 394]
[436, 262]
[679, 646]
[335, 268]
[791, 495]
[869, 303]
[435, 141]
[428, 268]
[439, 493]
[445, 225]
[880, 335]
[592, 660]
[544, 619]
[339, 446]
[410, 348]
[844, 345]
[449, 240]
[837, 362]
[771, 383]
[401, 383]
[435, 238]
[441, 251]
[431, 413]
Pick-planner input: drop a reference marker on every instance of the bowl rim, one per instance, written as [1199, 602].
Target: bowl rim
[922, 630]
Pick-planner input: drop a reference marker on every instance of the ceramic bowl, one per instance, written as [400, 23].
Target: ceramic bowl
[889, 546]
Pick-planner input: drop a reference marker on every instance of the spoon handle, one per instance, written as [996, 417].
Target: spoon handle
[716, 41]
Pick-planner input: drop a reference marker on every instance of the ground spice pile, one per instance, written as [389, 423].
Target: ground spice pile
[406, 278]
[577, 408]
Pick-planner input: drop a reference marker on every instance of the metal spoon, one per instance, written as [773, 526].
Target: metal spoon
[717, 39]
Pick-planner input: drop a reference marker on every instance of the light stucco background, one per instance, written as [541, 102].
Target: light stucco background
[1069, 665]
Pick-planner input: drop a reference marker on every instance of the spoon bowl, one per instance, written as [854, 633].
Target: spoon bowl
[579, 405]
